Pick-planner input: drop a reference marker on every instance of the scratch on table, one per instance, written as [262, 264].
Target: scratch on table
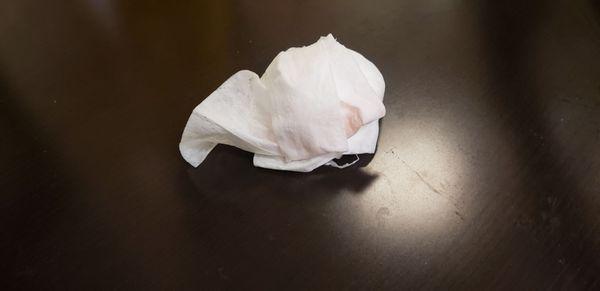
[435, 190]
[422, 178]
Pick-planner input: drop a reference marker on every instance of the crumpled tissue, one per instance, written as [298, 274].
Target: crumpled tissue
[312, 105]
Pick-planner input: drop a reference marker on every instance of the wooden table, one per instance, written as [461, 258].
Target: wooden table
[487, 174]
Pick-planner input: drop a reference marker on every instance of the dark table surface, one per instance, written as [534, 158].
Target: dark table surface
[487, 173]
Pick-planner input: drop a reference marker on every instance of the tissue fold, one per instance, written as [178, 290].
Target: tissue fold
[312, 105]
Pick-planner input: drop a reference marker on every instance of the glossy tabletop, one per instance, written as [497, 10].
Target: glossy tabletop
[487, 173]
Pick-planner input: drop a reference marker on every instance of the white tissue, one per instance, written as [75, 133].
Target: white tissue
[312, 105]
